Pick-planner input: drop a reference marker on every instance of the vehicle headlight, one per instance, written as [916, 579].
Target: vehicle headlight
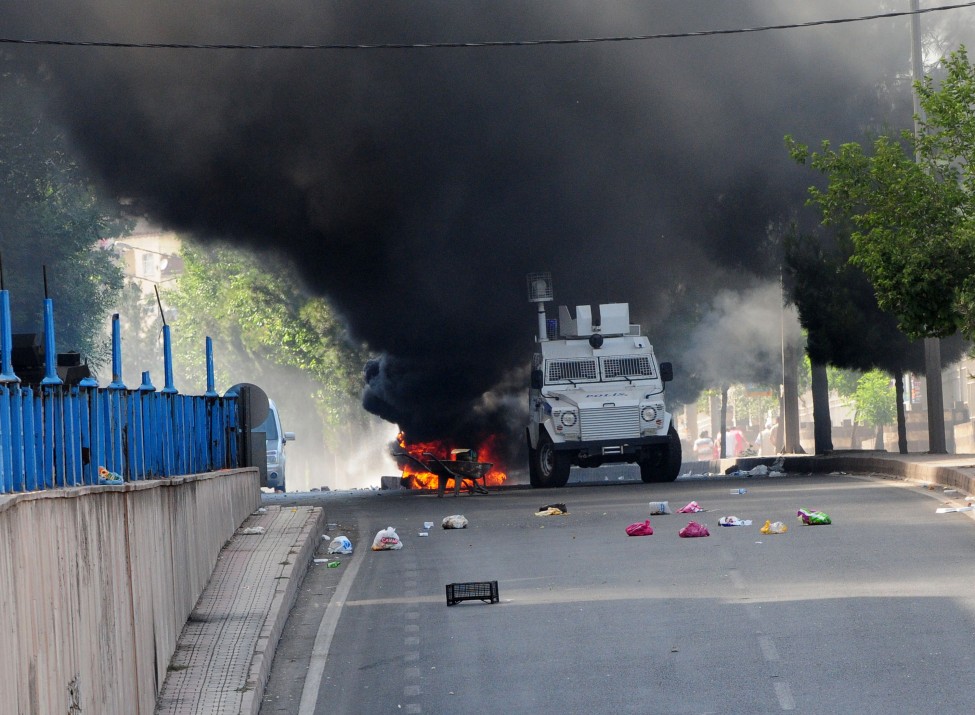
[569, 419]
[649, 413]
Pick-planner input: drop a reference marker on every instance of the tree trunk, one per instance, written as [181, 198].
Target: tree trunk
[822, 422]
[901, 415]
[878, 442]
[936, 403]
[724, 421]
[790, 400]
[853, 432]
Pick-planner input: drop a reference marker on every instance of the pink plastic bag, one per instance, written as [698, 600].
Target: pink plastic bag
[639, 529]
[694, 529]
[691, 508]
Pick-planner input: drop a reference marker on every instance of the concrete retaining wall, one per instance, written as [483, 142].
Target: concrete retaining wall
[96, 584]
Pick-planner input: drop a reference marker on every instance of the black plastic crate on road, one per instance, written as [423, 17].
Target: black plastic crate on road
[486, 591]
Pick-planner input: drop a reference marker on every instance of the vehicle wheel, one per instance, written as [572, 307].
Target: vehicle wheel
[532, 461]
[552, 466]
[665, 465]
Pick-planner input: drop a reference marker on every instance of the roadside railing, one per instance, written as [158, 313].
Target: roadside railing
[54, 435]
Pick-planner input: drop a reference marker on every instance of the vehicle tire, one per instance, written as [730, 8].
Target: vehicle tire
[665, 466]
[532, 461]
[552, 466]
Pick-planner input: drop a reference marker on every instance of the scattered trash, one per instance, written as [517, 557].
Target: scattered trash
[813, 518]
[659, 507]
[774, 527]
[694, 529]
[739, 491]
[252, 530]
[690, 508]
[333, 564]
[457, 521]
[486, 591]
[326, 537]
[107, 477]
[951, 492]
[261, 510]
[640, 529]
[552, 510]
[734, 521]
[759, 470]
[321, 561]
[428, 525]
[340, 545]
[423, 533]
[951, 509]
[386, 540]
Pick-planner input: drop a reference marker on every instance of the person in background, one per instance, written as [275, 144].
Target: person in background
[704, 447]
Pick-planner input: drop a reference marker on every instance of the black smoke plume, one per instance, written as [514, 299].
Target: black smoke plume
[417, 187]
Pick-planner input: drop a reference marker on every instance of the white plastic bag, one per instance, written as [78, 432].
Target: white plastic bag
[386, 540]
[340, 545]
[456, 521]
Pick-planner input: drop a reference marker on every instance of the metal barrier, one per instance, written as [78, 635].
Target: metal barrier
[59, 436]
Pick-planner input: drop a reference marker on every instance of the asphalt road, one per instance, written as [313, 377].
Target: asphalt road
[872, 614]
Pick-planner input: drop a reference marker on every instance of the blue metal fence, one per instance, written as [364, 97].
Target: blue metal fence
[58, 436]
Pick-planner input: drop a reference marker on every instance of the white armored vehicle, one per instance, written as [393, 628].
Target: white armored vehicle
[596, 395]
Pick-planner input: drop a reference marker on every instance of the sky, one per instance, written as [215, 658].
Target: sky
[416, 188]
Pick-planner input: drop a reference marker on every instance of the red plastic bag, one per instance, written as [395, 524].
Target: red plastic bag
[694, 529]
[642, 528]
[691, 508]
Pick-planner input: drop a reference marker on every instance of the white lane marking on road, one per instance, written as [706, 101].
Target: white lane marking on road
[768, 649]
[736, 579]
[412, 628]
[323, 639]
[410, 657]
[784, 693]
[412, 672]
[413, 709]
[411, 690]
[412, 640]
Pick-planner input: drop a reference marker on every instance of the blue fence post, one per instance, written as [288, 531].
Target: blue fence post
[10, 384]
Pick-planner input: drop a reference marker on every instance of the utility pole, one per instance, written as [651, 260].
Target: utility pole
[932, 346]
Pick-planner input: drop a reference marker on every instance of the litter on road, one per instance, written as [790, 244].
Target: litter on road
[552, 510]
[252, 530]
[455, 521]
[659, 507]
[386, 540]
[734, 521]
[340, 545]
[690, 508]
[811, 517]
[694, 529]
[641, 528]
[774, 527]
[952, 509]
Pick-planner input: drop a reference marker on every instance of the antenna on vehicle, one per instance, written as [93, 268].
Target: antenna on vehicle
[162, 314]
[540, 291]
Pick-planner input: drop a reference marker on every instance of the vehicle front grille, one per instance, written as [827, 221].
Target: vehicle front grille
[571, 370]
[610, 423]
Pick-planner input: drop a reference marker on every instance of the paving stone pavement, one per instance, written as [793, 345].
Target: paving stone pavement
[225, 650]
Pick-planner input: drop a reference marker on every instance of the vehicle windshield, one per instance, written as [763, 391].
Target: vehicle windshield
[269, 426]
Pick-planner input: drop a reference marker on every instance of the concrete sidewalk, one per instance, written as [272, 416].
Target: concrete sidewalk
[224, 653]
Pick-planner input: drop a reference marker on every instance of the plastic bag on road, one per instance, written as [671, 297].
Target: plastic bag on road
[641, 528]
[811, 517]
[690, 508]
[694, 529]
[386, 540]
[774, 527]
[734, 521]
[340, 545]
[659, 507]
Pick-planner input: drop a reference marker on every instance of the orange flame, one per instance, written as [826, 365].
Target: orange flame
[417, 478]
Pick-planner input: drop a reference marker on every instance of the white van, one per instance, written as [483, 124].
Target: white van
[276, 441]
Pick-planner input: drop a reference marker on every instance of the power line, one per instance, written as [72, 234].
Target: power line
[493, 43]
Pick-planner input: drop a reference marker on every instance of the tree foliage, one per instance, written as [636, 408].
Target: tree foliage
[874, 399]
[52, 216]
[911, 204]
[259, 319]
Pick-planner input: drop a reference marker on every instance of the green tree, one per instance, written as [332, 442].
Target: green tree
[53, 216]
[875, 401]
[261, 323]
[911, 204]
